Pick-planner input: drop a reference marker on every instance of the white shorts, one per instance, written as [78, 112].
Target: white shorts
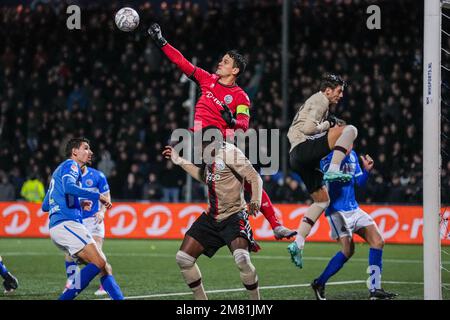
[96, 229]
[71, 237]
[344, 224]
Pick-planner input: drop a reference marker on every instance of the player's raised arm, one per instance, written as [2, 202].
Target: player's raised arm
[173, 54]
[192, 169]
[362, 174]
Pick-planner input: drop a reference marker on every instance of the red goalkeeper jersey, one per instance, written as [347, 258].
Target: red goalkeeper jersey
[208, 107]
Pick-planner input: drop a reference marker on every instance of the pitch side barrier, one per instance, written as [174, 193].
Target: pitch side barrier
[131, 220]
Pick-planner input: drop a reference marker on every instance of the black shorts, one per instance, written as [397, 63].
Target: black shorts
[213, 235]
[305, 160]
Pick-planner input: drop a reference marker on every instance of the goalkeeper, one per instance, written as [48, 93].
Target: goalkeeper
[223, 104]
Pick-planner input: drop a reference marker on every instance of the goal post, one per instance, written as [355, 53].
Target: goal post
[432, 149]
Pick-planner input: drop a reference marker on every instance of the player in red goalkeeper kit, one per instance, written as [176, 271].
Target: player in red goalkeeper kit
[222, 104]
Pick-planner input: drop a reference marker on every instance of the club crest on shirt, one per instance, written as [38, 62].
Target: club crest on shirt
[228, 99]
[74, 168]
[89, 182]
[220, 165]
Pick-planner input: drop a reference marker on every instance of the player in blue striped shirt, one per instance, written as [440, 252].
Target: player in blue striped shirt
[93, 180]
[345, 218]
[67, 232]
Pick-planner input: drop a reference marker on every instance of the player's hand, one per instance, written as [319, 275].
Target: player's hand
[104, 200]
[155, 33]
[340, 122]
[227, 115]
[332, 120]
[86, 205]
[253, 208]
[99, 216]
[170, 153]
[367, 162]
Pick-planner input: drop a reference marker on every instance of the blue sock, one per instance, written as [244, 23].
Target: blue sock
[335, 264]
[3, 270]
[71, 269]
[86, 275]
[375, 260]
[109, 284]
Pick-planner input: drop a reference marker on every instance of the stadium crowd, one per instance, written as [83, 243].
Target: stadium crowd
[117, 89]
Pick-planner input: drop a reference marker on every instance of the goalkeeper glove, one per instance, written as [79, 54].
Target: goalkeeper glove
[155, 33]
[227, 115]
[333, 120]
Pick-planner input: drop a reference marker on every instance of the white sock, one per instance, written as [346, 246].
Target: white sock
[300, 241]
[254, 294]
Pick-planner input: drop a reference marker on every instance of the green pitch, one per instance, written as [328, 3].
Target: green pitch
[146, 269]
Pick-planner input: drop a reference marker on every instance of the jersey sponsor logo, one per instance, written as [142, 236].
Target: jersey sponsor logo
[212, 177]
[74, 167]
[89, 182]
[210, 95]
[228, 99]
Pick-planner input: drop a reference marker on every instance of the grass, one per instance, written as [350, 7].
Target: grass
[146, 269]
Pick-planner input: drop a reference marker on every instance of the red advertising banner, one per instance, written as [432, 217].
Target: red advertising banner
[398, 224]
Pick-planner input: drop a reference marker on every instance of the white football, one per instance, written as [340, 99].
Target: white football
[127, 19]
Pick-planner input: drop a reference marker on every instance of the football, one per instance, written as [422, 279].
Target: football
[127, 19]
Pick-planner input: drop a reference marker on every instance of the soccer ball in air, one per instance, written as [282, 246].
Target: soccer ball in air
[127, 19]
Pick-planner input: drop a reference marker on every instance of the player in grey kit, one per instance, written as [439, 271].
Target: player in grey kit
[313, 134]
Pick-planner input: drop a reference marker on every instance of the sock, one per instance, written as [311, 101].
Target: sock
[300, 241]
[253, 294]
[335, 264]
[268, 211]
[191, 274]
[375, 259]
[88, 273]
[199, 291]
[344, 142]
[3, 270]
[312, 214]
[266, 207]
[110, 286]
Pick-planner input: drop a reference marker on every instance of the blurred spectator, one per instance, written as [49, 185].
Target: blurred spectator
[131, 190]
[151, 189]
[170, 183]
[7, 192]
[106, 165]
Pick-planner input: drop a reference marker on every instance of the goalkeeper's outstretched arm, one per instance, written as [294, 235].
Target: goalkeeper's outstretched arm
[173, 54]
